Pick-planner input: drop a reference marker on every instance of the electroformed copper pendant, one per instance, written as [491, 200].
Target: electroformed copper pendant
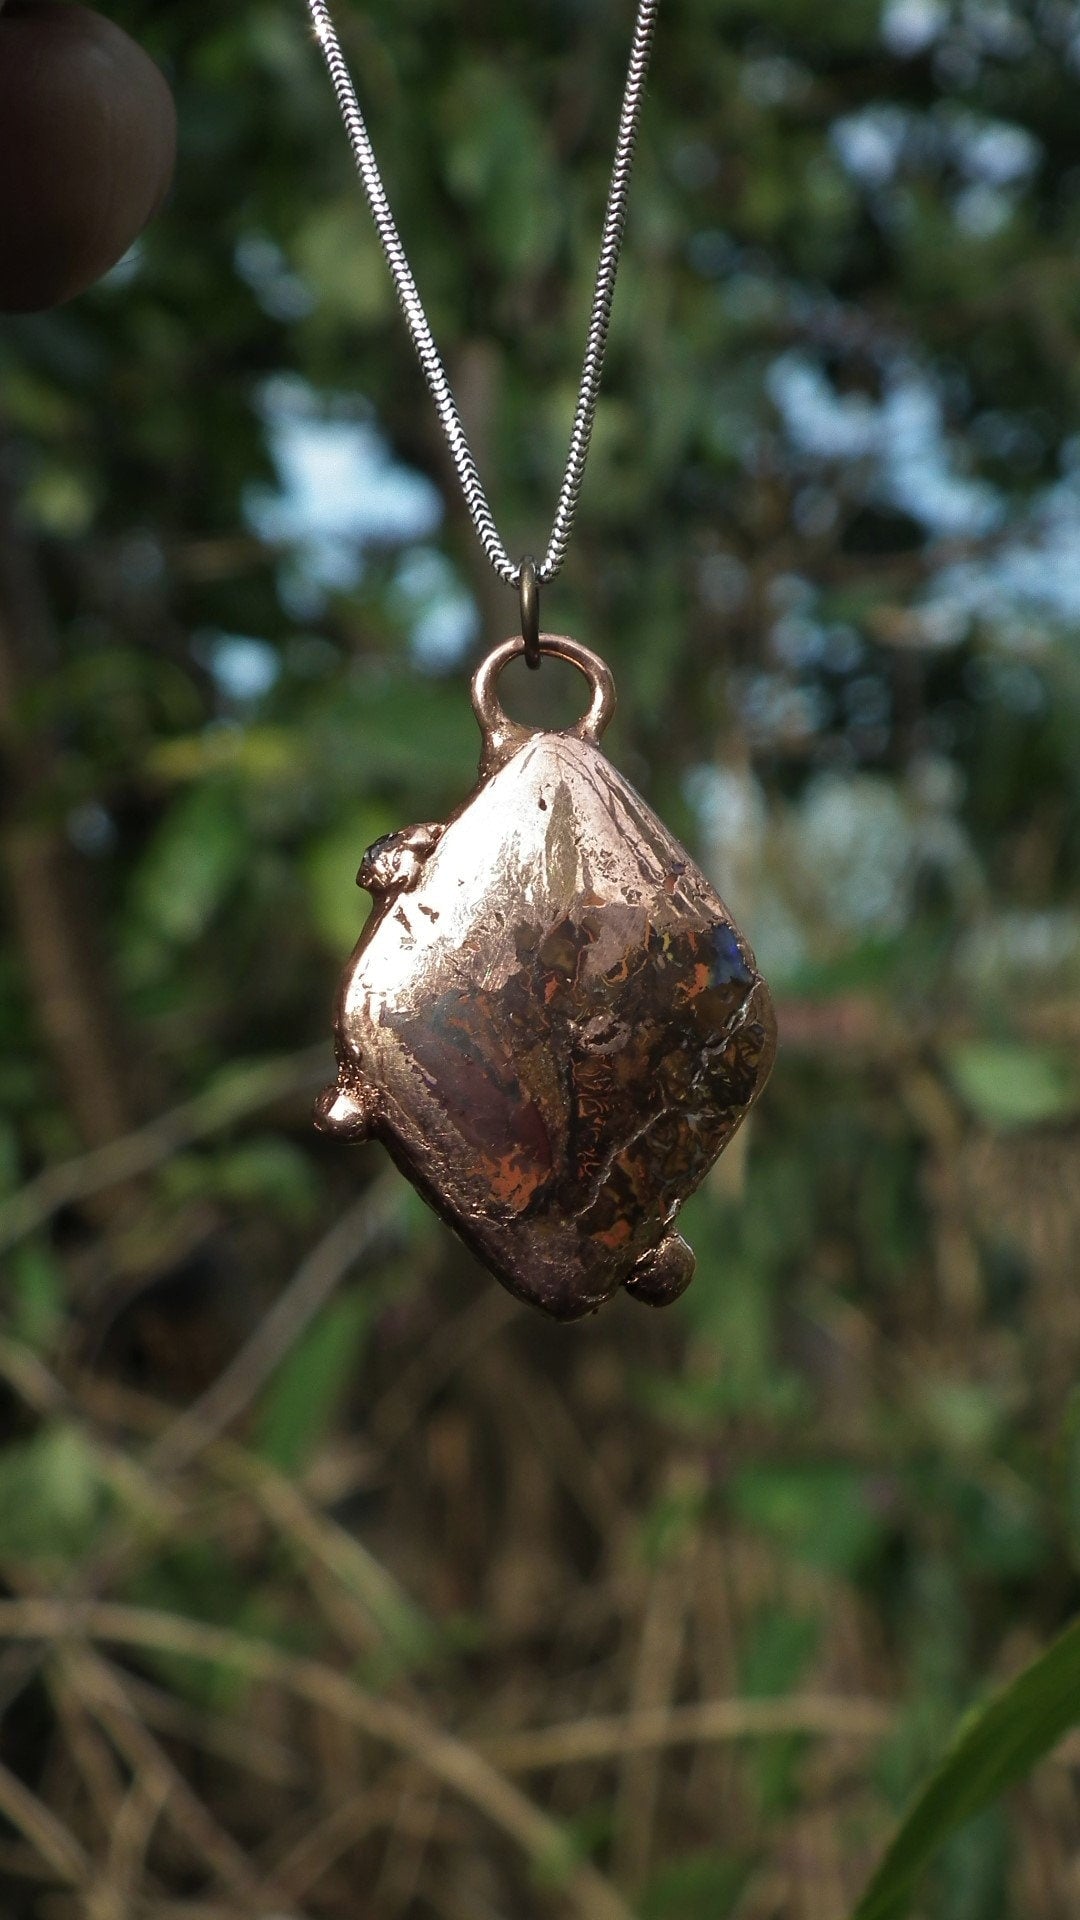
[550, 1017]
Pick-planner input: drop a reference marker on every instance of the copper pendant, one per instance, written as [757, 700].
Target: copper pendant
[550, 1017]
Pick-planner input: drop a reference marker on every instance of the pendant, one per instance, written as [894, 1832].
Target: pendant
[550, 1018]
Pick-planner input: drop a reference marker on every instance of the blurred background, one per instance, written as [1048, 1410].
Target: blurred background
[461, 1614]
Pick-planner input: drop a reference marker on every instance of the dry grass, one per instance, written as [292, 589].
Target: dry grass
[500, 1644]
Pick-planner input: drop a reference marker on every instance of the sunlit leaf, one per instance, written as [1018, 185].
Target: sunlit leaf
[338, 251]
[191, 863]
[52, 1495]
[1010, 1085]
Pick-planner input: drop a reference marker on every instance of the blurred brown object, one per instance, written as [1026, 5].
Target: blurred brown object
[87, 149]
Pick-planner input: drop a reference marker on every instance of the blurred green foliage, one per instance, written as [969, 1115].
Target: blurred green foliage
[829, 540]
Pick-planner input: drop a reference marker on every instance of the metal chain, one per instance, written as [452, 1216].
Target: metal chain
[416, 319]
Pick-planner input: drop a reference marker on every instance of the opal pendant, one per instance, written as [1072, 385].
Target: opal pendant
[550, 1018]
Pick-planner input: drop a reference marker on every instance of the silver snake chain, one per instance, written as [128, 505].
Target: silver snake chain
[417, 321]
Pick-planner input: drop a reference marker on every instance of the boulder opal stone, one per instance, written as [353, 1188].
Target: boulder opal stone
[551, 1018]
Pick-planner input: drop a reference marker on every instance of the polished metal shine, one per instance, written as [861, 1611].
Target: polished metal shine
[550, 1018]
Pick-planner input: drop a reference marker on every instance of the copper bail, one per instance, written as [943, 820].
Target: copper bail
[529, 595]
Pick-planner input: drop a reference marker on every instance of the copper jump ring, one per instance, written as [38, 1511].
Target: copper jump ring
[529, 595]
[503, 735]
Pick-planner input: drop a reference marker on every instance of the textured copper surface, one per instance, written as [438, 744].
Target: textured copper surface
[550, 1017]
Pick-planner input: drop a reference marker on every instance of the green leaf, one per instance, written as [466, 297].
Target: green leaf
[971, 1876]
[304, 1396]
[779, 1648]
[265, 1170]
[60, 501]
[191, 863]
[964, 1416]
[254, 756]
[339, 252]
[995, 1747]
[200, 1579]
[1009, 1085]
[52, 1495]
[700, 1886]
[338, 910]
[576, 1840]
[498, 164]
[823, 1511]
[37, 1299]
[399, 730]
[671, 1521]
[1071, 1472]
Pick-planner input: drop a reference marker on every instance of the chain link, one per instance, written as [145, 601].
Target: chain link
[417, 321]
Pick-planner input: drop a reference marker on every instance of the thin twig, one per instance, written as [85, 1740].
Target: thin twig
[321, 1845]
[660, 1637]
[317, 1540]
[87, 1752]
[372, 1595]
[217, 1107]
[604, 1736]
[459, 1766]
[189, 1816]
[357, 1233]
[252, 1749]
[50, 1839]
[196, 1910]
[395, 1415]
[316, 1537]
[55, 938]
[128, 1846]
